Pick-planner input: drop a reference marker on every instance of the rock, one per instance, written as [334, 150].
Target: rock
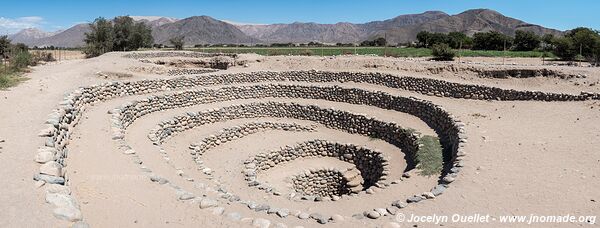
[448, 179]
[261, 223]
[303, 215]
[218, 210]
[337, 218]
[262, 207]
[44, 157]
[438, 190]
[80, 224]
[206, 203]
[48, 132]
[283, 213]
[358, 216]
[381, 211]
[392, 210]
[186, 196]
[39, 184]
[272, 210]
[49, 179]
[129, 151]
[61, 200]
[428, 195]
[373, 215]
[406, 175]
[51, 168]
[414, 199]
[399, 204]
[234, 216]
[67, 213]
[57, 188]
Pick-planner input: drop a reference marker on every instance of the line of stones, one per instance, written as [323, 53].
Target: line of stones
[188, 71]
[371, 164]
[236, 132]
[166, 54]
[66, 116]
[328, 182]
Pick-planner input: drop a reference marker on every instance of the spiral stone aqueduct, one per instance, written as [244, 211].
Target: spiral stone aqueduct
[344, 144]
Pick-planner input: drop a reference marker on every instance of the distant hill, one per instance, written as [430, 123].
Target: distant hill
[30, 35]
[201, 30]
[72, 37]
[403, 28]
[468, 22]
[207, 30]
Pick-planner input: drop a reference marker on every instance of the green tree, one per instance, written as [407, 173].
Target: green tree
[178, 42]
[4, 46]
[491, 41]
[122, 29]
[100, 38]
[423, 38]
[584, 40]
[141, 36]
[526, 41]
[380, 41]
[564, 48]
[457, 40]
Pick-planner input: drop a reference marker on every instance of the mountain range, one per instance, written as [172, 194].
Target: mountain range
[207, 30]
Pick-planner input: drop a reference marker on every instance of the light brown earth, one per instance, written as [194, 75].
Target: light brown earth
[524, 157]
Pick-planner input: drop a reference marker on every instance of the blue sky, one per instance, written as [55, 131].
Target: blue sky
[62, 14]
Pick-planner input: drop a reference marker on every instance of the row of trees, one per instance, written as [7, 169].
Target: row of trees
[523, 40]
[576, 44]
[120, 34]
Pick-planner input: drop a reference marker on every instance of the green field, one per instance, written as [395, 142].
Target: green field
[380, 51]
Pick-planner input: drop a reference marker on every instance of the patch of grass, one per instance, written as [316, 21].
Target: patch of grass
[10, 78]
[380, 51]
[429, 158]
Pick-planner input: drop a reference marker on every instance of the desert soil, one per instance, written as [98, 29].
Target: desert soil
[524, 157]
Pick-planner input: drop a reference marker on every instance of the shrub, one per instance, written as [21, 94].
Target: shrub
[307, 52]
[178, 42]
[442, 52]
[42, 56]
[429, 157]
[21, 60]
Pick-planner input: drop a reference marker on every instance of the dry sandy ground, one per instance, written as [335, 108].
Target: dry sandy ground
[523, 157]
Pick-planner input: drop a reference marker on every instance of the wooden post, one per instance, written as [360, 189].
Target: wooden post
[580, 53]
[385, 45]
[504, 52]
[459, 52]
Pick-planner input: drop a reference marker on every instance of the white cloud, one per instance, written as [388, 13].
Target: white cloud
[13, 25]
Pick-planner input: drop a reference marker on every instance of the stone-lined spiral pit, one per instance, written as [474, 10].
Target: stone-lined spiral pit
[330, 182]
[372, 172]
[405, 139]
[370, 165]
